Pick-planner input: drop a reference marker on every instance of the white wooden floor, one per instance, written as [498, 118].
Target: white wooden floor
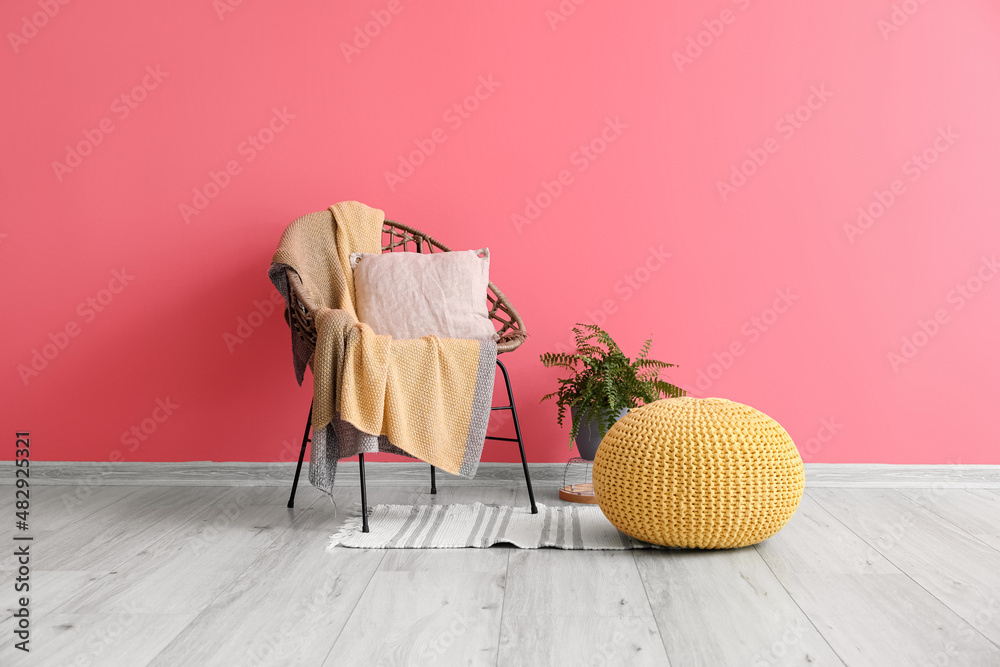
[228, 576]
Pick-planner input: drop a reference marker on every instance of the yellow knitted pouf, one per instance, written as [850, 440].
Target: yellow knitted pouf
[698, 472]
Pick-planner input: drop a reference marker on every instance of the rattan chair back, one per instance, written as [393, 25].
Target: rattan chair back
[397, 237]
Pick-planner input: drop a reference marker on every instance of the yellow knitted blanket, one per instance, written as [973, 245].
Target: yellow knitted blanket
[428, 397]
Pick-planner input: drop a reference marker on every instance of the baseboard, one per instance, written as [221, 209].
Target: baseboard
[892, 475]
[208, 473]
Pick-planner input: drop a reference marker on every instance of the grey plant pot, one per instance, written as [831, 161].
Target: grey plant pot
[588, 439]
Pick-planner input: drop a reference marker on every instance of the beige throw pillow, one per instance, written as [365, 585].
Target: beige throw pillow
[412, 295]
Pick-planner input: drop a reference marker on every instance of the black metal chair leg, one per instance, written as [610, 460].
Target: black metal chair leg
[520, 442]
[302, 454]
[364, 494]
[361, 457]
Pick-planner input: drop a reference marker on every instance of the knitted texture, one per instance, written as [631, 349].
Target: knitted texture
[429, 397]
[702, 473]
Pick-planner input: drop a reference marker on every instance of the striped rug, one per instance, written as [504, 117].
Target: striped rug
[481, 526]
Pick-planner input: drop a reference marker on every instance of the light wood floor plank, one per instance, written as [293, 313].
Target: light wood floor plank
[47, 591]
[871, 576]
[8, 561]
[123, 638]
[887, 619]
[184, 570]
[419, 494]
[549, 590]
[124, 528]
[831, 573]
[976, 512]
[55, 508]
[423, 618]
[560, 622]
[440, 606]
[958, 569]
[815, 541]
[287, 608]
[530, 641]
[727, 608]
[554, 582]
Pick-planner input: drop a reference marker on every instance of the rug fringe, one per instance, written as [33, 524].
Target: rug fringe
[351, 525]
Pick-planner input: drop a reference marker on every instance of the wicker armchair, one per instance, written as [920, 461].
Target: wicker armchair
[397, 237]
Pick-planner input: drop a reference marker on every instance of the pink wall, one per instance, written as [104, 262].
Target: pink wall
[894, 102]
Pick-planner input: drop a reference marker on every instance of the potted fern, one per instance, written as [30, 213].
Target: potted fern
[604, 384]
